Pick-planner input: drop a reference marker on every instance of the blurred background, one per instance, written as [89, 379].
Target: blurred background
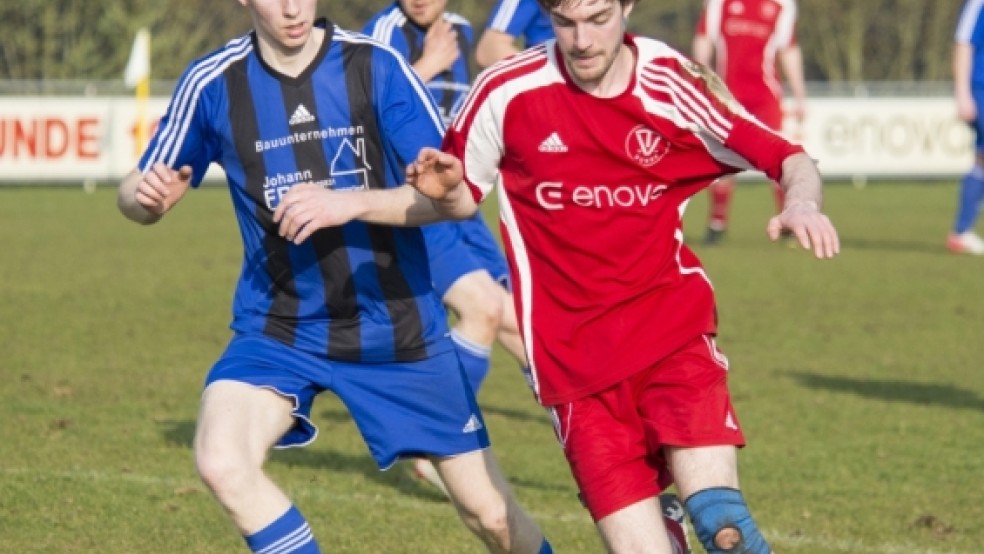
[844, 42]
[878, 72]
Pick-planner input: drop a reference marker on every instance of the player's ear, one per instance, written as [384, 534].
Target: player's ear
[627, 6]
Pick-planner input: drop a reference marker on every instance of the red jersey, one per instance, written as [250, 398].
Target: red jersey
[748, 35]
[592, 193]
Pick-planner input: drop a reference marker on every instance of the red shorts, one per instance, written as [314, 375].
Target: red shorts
[614, 440]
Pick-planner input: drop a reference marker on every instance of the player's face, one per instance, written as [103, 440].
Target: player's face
[424, 12]
[285, 24]
[589, 33]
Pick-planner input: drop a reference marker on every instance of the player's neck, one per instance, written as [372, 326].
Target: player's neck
[617, 79]
[293, 61]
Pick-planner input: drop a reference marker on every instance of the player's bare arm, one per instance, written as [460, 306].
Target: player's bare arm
[434, 191]
[801, 214]
[963, 56]
[146, 197]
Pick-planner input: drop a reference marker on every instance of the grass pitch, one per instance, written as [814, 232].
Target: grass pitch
[857, 380]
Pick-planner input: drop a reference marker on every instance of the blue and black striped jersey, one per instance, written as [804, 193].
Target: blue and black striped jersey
[449, 88]
[352, 120]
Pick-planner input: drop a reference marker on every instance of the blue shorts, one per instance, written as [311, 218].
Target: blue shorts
[457, 248]
[402, 409]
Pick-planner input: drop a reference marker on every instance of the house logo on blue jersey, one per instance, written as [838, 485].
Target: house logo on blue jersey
[349, 167]
[301, 115]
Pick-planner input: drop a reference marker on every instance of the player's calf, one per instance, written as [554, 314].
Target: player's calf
[723, 523]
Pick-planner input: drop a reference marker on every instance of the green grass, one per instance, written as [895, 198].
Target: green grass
[857, 380]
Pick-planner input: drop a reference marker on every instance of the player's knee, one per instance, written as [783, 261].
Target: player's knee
[483, 314]
[489, 308]
[495, 526]
[723, 523]
[491, 523]
[218, 470]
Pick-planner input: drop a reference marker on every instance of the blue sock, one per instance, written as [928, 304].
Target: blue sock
[969, 201]
[545, 548]
[474, 359]
[289, 534]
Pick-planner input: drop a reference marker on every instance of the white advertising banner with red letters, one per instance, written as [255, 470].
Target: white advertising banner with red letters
[74, 139]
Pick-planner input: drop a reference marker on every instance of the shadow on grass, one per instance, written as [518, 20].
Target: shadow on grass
[927, 394]
[181, 434]
[855, 243]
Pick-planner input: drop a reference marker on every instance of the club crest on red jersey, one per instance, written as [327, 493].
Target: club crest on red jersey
[645, 146]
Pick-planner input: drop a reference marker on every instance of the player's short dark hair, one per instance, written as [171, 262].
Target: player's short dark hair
[551, 4]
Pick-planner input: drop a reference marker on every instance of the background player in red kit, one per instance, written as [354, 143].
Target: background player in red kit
[597, 140]
[744, 38]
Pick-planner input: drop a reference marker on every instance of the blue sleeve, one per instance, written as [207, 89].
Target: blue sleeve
[513, 17]
[970, 25]
[387, 33]
[184, 135]
[409, 118]
[521, 18]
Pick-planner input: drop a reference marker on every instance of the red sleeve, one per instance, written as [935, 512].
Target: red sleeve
[454, 144]
[763, 148]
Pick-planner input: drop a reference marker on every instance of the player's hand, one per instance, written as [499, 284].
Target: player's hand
[440, 48]
[812, 229]
[435, 173]
[966, 108]
[162, 187]
[308, 207]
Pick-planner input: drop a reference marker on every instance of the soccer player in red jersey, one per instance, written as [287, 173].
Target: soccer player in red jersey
[596, 141]
[745, 38]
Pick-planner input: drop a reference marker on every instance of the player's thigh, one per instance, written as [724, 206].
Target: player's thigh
[259, 393]
[237, 417]
[475, 294]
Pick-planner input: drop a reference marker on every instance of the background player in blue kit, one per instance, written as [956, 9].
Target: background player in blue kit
[968, 77]
[470, 273]
[349, 309]
[509, 21]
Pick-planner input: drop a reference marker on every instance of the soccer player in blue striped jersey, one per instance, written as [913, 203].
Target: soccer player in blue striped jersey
[509, 21]
[350, 309]
[470, 272]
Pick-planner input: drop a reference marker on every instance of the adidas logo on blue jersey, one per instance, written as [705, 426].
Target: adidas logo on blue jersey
[301, 115]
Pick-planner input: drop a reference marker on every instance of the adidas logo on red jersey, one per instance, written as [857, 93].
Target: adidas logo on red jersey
[553, 144]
